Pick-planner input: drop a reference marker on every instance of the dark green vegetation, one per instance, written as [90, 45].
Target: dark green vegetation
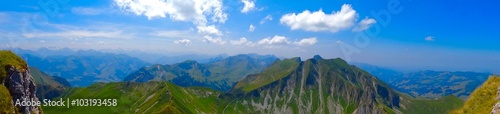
[430, 84]
[82, 68]
[48, 87]
[287, 86]
[482, 99]
[219, 75]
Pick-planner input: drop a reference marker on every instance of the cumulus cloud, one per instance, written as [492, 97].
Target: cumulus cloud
[182, 10]
[249, 6]
[251, 28]
[199, 12]
[319, 21]
[429, 38]
[185, 42]
[209, 30]
[242, 41]
[210, 39]
[265, 19]
[173, 34]
[306, 41]
[364, 24]
[276, 40]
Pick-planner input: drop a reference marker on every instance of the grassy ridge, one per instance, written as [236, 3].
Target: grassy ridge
[7, 58]
[275, 72]
[482, 99]
[150, 97]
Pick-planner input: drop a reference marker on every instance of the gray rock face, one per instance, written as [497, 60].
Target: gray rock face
[21, 86]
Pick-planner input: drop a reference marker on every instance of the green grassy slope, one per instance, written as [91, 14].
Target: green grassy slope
[275, 72]
[482, 99]
[150, 97]
[7, 58]
[442, 105]
[48, 87]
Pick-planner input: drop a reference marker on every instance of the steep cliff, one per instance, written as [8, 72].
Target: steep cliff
[18, 83]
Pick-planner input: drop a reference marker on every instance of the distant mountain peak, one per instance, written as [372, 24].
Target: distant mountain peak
[317, 57]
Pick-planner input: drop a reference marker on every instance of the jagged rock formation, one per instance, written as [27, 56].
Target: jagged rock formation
[21, 86]
[16, 84]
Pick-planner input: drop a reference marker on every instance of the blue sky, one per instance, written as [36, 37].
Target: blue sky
[421, 34]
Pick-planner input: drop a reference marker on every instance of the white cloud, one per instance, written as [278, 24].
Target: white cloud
[200, 12]
[185, 42]
[209, 30]
[210, 39]
[319, 21]
[276, 40]
[251, 28]
[430, 38]
[267, 18]
[249, 5]
[182, 10]
[306, 41]
[87, 11]
[242, 41]
[174, 34]
[42, 41]
[364, 24]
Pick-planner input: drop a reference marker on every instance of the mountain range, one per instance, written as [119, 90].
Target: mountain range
[429, 83]
[218, 75]
[251, 83]
[287, 86]
[83, 68]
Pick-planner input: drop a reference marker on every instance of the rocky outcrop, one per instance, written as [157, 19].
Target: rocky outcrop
[21, 86]
[496, 107]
